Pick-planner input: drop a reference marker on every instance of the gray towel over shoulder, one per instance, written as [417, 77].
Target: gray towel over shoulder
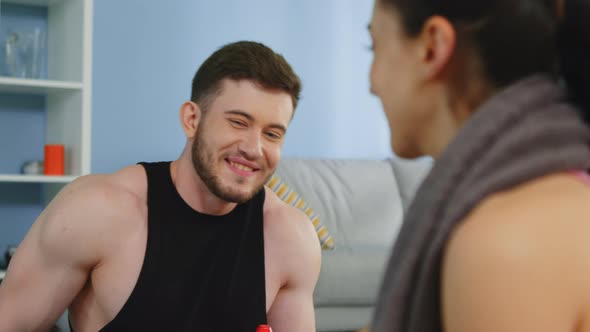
[526, 131]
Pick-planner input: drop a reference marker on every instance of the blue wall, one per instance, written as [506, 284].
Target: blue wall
[22, 120]
[146, 53]
[22, 135]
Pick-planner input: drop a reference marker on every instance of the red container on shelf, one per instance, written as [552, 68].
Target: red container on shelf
[54, 159]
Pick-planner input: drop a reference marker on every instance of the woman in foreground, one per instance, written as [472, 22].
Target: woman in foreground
[497, 91]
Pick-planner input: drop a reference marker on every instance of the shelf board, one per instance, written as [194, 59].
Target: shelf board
[36, 178]
[25, 85]
[43, 3]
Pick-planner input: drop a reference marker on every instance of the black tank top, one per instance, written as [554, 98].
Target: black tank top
[200, 272]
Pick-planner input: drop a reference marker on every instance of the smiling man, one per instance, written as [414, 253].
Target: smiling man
[196, 244]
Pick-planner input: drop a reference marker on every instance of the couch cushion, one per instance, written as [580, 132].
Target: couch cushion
[332, 319]
[358, 200]
[409, 174]
[350, 278]
[362, 203]
[291, 197]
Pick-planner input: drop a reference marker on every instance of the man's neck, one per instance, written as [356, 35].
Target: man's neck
[195, 192]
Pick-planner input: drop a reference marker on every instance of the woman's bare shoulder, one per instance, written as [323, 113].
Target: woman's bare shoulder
[528, 247]
[546, 208]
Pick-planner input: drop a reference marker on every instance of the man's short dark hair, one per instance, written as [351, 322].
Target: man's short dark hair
[244, 60]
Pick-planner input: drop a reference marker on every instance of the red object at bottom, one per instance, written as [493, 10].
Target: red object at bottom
[263, 328]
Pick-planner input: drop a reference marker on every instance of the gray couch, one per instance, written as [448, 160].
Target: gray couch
[361, 202]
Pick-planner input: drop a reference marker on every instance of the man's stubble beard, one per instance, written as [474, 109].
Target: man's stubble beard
[204, 165]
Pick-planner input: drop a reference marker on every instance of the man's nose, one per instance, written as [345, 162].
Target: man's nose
[251, 146]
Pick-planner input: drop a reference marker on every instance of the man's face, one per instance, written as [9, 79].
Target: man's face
[239, 138]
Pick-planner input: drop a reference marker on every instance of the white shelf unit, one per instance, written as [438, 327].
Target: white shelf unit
[42, 3]
[36, 178]
[67, 88]
[35, 86]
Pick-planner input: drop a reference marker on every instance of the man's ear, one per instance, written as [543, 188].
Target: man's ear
[190, 115]
[438, 41]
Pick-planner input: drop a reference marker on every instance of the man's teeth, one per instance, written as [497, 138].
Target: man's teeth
[241, 167]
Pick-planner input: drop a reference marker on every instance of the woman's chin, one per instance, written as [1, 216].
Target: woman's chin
[405, 150]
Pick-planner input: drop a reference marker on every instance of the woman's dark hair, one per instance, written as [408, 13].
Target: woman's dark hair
[574, 50]
[244, 60]
[516, 38]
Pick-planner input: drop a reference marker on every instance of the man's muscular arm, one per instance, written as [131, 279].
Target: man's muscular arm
[52, 263]
[300, 258]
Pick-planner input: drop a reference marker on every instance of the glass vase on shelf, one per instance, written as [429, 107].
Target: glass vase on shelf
[24, 53]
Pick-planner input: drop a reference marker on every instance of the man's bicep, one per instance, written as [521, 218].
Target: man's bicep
[48, 269]
[292, 311]
[37, 287]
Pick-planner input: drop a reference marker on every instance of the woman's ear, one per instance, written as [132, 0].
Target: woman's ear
[190, 115]
[438, 41]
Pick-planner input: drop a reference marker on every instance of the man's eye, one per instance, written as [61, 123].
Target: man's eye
[237, 123]
[273, 135]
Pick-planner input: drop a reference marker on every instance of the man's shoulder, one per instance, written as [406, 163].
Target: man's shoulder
[91, 214]
[285, 217]
[292, 237]
[131, 180]
[102, 195]
[128, 182]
